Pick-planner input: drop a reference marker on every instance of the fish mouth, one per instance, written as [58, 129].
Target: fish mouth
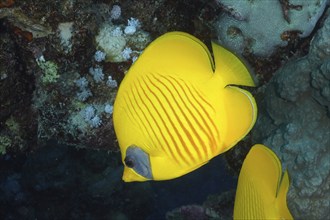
[130, 175]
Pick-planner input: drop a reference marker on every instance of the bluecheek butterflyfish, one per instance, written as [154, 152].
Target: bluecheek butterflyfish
[177, 107]
[261, 190]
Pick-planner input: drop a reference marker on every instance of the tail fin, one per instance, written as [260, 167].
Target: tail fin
[241, 113]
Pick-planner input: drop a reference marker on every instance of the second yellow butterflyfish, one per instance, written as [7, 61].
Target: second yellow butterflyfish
[261, 190]
[178, 107]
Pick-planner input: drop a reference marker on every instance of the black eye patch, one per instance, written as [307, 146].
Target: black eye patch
[139, 161]
[129, 162]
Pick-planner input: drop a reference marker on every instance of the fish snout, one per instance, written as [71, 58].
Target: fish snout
[130, 175]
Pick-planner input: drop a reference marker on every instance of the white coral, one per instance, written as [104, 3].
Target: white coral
[132, 25]
[115, 12]
[97, 74]
[126, 53]
[95, 122]
[99, 56]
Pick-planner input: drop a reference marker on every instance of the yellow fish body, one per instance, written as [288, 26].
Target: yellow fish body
[261, 190]
[176, 108]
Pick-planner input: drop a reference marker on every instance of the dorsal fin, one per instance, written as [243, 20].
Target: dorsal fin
[230, 67]
[176, 53]
[281, 203]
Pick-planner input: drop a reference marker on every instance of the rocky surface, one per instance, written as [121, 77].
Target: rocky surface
[294, 120]
[49, 73]
[52, 89]
[261, 26]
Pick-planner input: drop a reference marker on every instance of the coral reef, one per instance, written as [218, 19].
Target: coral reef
[261, 26]
[18, 128]
[294, 120]
[216, 207]
[56, 84]
[53, 58]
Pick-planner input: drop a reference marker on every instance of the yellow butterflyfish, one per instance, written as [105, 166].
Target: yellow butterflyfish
[177, 108]
[261, 190]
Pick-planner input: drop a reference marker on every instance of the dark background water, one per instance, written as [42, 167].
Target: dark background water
[61, 182]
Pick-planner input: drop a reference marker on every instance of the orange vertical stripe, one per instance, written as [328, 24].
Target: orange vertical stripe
[171, 122]
[197, 135]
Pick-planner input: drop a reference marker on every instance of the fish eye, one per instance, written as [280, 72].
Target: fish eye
[129, 162]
